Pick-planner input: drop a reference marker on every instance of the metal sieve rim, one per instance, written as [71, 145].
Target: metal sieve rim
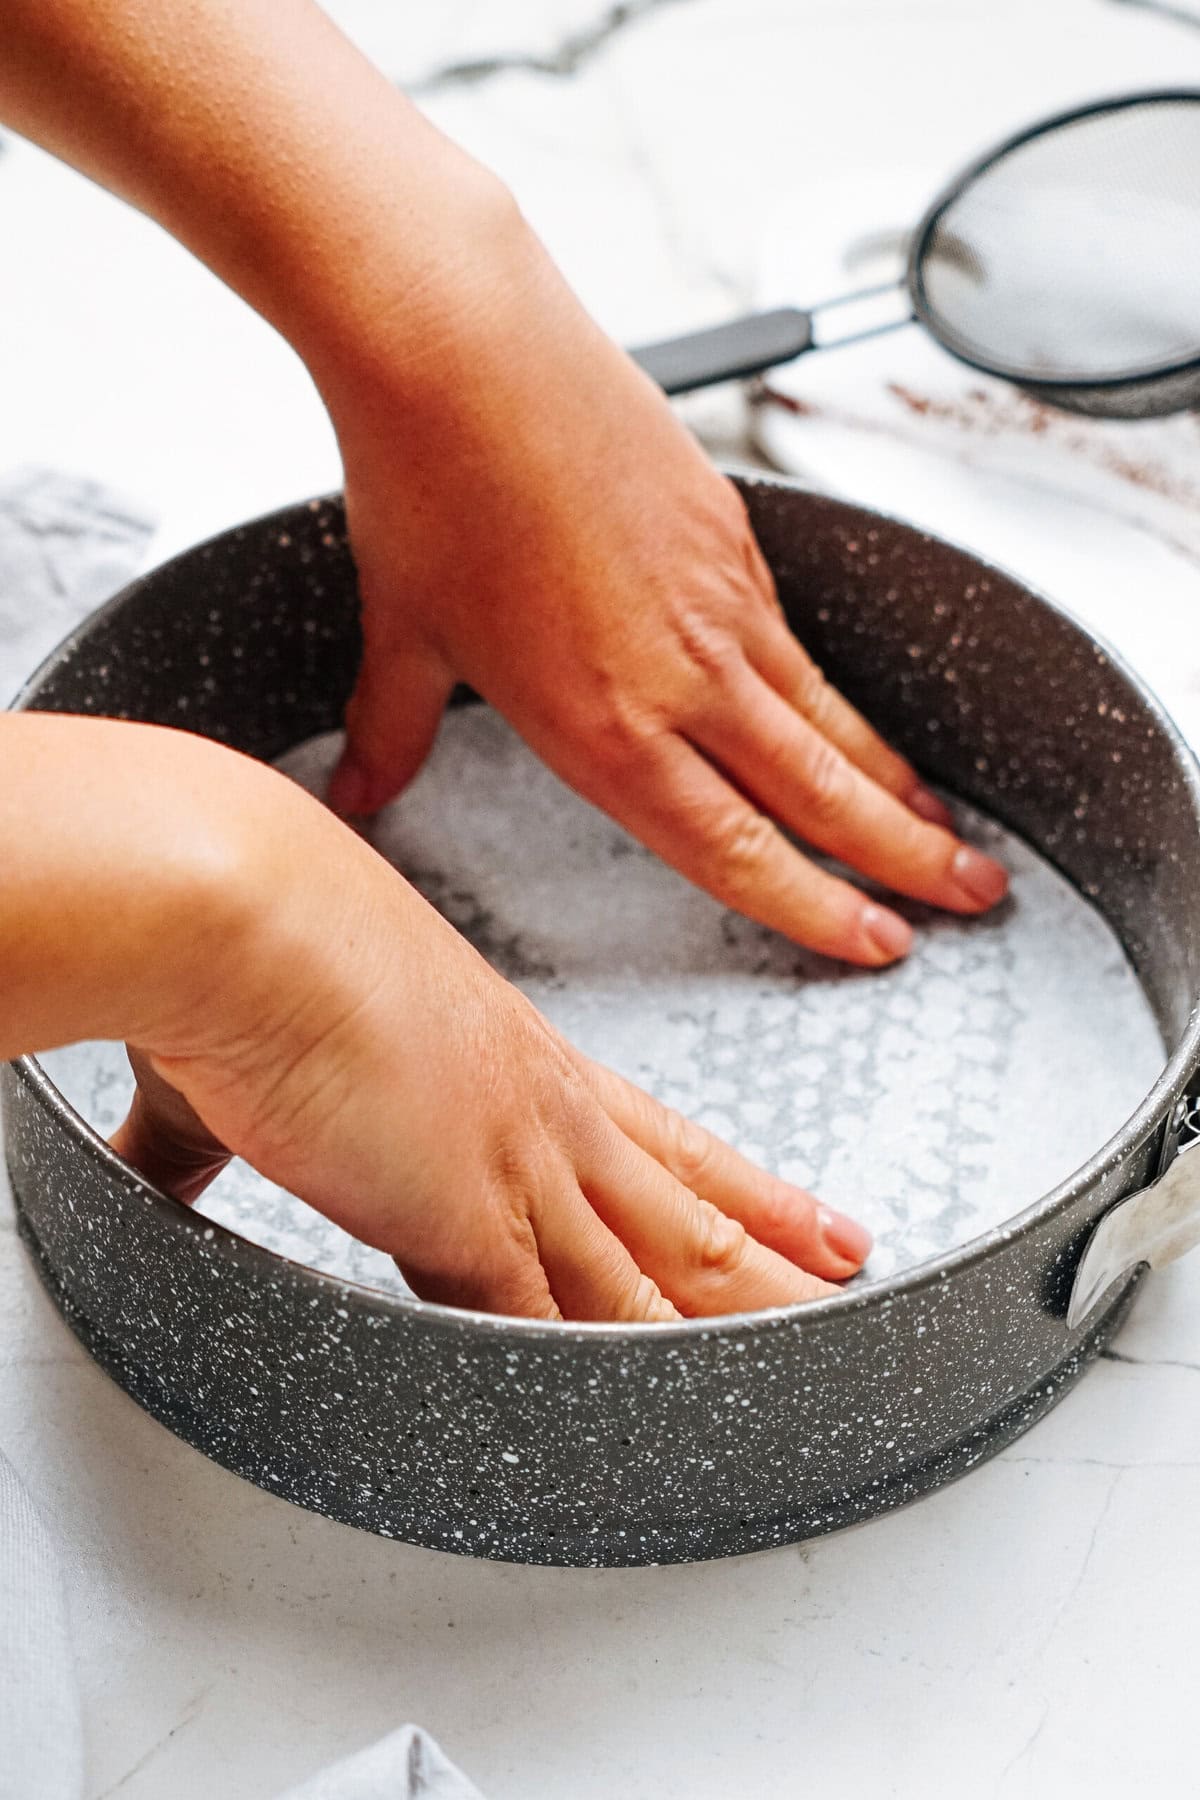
[959, 347]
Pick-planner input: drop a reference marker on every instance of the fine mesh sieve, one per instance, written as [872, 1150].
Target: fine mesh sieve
[1066, 260]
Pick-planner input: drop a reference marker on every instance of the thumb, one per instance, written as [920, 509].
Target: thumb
[391, 723]
[165, 1139]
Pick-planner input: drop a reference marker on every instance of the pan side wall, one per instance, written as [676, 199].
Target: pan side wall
[1008, 703]
[558, 1446]
[648, 1447]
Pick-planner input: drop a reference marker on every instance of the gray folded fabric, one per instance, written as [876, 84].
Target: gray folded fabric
[66, 544]
[41, 1739]
[406, 1765]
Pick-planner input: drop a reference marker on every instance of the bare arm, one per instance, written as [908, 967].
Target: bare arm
[257, 134]
[526, 512]
[122, 880]
[329, 1026]
[148, 879]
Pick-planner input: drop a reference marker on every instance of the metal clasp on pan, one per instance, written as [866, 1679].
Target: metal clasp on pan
[1153, 1226]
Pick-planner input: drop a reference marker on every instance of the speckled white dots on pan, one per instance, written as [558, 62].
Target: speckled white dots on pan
[928, 1099]
[937, 1101]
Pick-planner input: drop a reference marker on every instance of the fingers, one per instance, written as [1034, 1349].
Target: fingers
[626, 1243]
[590, 1271]
[391, 723]
[684, 810]
[803, 779]
[704, 1262]
[165, 1140]
[539, 1251]
[499, 1273]
[598, 1230]
[777, 656]
[779, 1216]
[782, 661]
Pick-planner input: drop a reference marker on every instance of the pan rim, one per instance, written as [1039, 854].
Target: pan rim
[1152, 1110]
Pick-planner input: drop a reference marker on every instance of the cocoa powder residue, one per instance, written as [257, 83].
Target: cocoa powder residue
[979, 411]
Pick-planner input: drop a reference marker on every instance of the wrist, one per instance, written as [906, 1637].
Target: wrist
[406, 332]
[285, 903]
[232, 900]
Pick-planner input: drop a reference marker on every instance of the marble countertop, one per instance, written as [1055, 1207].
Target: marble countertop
[1026, 1632]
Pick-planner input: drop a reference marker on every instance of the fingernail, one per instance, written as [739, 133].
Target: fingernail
[843, 1237]
[981, 880]
[349, 789]
[887, 931]
[926, 805]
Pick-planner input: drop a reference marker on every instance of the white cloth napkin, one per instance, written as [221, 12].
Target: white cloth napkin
[41, 1737]
[41, 1740]
[406, 1765]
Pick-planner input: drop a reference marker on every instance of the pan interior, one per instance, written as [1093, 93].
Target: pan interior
[933, 1101]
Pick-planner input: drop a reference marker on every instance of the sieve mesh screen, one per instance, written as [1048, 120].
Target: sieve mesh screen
[1075, 255]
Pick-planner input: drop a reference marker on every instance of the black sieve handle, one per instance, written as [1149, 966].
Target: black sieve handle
[730, 352]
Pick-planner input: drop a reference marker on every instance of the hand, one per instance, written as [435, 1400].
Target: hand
[548, 532]
[526, 512]
[358, 1051]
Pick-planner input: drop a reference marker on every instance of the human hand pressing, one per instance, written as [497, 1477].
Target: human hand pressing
[357, 1050]
[568, 1193]
[296, 1002]
[526, 512]
[528, 515]
[548, 532]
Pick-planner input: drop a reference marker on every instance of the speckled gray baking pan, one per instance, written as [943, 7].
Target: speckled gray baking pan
[916, 1096]
[601, 1444]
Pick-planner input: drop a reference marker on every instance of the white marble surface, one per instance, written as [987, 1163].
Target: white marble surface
[1028, 1632]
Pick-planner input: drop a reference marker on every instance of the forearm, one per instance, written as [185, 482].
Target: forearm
[259, 136]
[128, 860]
